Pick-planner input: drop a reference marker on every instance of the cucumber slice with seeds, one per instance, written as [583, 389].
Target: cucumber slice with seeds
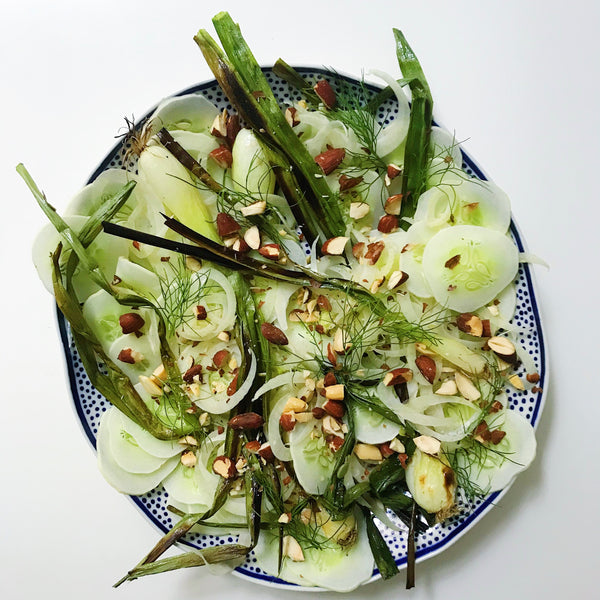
[468, 266]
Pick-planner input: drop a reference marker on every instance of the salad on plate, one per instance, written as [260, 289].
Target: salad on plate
[299, 304]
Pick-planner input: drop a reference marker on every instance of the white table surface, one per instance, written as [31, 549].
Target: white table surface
[517, 80]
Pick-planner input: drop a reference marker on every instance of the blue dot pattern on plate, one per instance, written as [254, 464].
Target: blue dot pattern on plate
[90, 404]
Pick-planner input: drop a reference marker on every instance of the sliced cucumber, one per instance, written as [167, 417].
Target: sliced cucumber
[93, 195]
[138, 279]
[125, 451]
[197, 485]
[123, 481]
[312, 458]
[191, 112]
[467, 266]
[465, 202]
[371, 427]
[332, 567]
[502, 462]
[199, 145]
[147, 346]
[146, 441]
[105, 250]
[211, 289]
[102, 312]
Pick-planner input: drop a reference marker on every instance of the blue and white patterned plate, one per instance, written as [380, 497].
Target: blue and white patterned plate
[90, 404]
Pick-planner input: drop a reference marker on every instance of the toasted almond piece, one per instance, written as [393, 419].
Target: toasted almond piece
[330, 160]
[272, 251]
[335, 392]
[219, 125]
[252, 237]
[150, 386]
[397, 278]
[256, 208]
[303, 296]
[241, 464]
[377, 283]
[347, 183]
[290, 116]
[131, 322]
[192, 264]
[427, 444]
[252, 446]
[329, 379]
[245, 421]
[494, 310]
[334, 246]
[374, 250]
[160, 373]
[466, 387]
[193, 374]
[224, 467]
[318, 412]
[448, 388]
[397, 446]
[311, 305]
[304, 417]
[188, 440]
[292, 549]
[223, 336]
[387, 224]
[334, 442]
[393, 171]
[331, 426]
[503, 348]
[200, 312]
[287, 421]
[284, 518]
[340, 341]
[397, 376]
[204, 419]
[358, 250]
[222, 156]
[239, 245]
[334, 408]
[226, 225]
[516, 382]
[188, 458]
[368, 452]
[273, 334]
[358, 210]
[497, 436]
[266, 452]
[452, 262]
[127, 356]
[486, 328]
[325, 92]
[233, 128]
[533, 377]
[294, 405]
[393, 205]
[427, 367]
[470, 323]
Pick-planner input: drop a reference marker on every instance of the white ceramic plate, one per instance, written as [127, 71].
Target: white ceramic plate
[90, 405]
